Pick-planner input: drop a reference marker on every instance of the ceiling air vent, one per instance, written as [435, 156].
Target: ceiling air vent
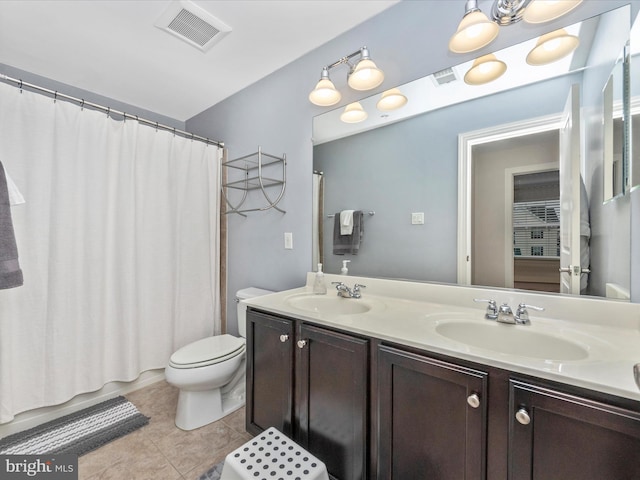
[444, 76]
[193, 24]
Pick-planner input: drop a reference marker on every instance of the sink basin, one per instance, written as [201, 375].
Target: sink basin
[512, 340]
[329, 304]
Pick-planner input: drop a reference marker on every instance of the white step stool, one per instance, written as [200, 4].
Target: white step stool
[272, 456]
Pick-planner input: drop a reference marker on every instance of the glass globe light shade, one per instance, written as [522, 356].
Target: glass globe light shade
[391, 100]
[353, 113]
[474, 32]
[366, 75]
[552, 47]
[485, 69]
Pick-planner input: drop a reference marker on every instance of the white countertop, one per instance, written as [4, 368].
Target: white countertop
[408, 313]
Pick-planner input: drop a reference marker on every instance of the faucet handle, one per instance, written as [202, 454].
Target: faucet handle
[337, 283]
[356, 290]
[492, 308]
[522, 316]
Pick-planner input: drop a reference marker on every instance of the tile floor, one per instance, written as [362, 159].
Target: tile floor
[160, 450]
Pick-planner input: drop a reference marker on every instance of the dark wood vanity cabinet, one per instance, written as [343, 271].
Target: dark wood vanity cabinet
[555, 435]
[311, 383]
[432, 418]
[270, 356]
[377, 411]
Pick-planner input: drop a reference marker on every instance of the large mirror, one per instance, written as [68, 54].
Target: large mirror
[617, 131]
[634, 87]
[403, 170]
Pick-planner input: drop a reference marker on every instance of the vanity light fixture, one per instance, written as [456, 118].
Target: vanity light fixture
[353, 113]
[551, 47]
[391, 100]
[325, 93]
[363, 75]
[476, 30]
[485, 69]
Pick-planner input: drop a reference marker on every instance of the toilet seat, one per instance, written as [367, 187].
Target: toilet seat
[208, 351]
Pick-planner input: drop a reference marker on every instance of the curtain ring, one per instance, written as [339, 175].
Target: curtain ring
[55, 96]
[174, 131]
[82, 104]
[156, 127]
[108, 111]
[20, 86]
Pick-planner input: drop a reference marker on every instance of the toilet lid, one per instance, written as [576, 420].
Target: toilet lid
[208, 351]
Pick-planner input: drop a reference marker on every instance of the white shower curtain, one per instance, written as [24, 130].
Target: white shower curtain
[118, 243]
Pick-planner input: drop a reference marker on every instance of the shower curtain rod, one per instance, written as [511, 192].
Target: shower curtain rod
[108, 110]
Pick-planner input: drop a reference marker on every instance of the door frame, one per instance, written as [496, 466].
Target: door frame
[466, 142]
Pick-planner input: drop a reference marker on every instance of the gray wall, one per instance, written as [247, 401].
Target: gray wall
[408, 41]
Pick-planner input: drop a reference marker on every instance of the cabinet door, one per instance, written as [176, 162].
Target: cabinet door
[432, 418]
[331, 400]
[565, 437]
[269, 373]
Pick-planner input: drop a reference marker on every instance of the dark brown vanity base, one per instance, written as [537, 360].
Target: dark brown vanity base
[372, 410]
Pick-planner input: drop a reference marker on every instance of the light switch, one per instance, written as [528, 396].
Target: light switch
[417, 218]
[288, 240]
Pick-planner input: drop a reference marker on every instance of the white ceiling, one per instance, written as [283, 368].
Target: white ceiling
[112, 48]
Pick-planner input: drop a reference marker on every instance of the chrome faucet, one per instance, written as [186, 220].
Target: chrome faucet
[346, 292]
[522, 316]
[504, 314]
[492, 309]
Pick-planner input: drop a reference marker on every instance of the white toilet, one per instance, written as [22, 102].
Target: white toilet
[210, 373]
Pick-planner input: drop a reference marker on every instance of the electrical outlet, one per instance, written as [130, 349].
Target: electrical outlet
[288, 240]
[417, 218]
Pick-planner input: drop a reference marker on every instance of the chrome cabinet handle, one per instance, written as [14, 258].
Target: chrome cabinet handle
[301, 343]
[523, 416]
[473, 400]
[284, 338]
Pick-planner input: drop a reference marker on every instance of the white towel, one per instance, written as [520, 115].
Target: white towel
[15, 197]
[346, 222]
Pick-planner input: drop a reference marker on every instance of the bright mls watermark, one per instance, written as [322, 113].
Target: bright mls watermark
[39, 467]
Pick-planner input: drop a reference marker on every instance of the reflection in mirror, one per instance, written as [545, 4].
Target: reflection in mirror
[634, 87]
[404, 164]
[616, 129]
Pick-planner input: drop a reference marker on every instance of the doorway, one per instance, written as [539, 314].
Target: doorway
[504, 172]
[488, 161]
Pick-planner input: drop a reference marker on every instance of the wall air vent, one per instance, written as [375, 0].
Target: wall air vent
[193, 24]
[444, 76]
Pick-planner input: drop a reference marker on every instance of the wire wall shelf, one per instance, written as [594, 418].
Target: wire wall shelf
[252, 169]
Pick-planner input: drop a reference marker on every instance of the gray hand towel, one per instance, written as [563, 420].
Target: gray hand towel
[343, 244]
[10, 273]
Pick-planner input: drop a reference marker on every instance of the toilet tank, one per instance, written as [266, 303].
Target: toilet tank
[244, 294]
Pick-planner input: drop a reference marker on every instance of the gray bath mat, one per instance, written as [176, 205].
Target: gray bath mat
[77, 433]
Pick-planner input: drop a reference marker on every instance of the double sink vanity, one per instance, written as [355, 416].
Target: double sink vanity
[413, 381]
